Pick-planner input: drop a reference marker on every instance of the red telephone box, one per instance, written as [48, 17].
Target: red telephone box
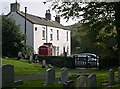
[45, 49]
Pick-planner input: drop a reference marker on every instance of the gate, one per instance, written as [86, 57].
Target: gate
[85, 62]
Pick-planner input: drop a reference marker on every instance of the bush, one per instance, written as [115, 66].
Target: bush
[108, 62]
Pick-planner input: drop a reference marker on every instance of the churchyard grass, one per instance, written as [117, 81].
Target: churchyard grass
[38, 83]
[23, 67]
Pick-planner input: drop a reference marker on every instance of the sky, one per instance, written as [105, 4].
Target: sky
[34, 7]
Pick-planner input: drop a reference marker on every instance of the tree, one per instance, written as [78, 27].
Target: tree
[11, 37]
[98, 17]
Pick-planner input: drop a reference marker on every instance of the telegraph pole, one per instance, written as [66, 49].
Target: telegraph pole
[25, 24]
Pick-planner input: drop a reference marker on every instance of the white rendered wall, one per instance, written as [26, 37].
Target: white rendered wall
[35, 39]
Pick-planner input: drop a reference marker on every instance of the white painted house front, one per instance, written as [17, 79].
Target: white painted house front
[42, 30]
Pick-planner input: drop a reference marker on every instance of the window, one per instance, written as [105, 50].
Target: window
[43, 27]
[51, 37]
[67, 35]
[67, 49]
[35, 28]
[57, 50]
[57, 34]
[43, 34]
[51, 30]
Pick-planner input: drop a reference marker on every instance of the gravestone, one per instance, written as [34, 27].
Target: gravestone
[7, 75]
[81, 82]
[0, 77]
[118, 73]
[19, 55]
[92, 84]
[111, 76]
[36, 58]
[43, 63]
[50, 76]
[31, 58]
[64, 75]
[69, 85]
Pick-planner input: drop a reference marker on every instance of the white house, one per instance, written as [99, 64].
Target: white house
[42, 30]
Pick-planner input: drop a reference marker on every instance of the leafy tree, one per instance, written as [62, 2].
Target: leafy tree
[102, 19]
[11, 37]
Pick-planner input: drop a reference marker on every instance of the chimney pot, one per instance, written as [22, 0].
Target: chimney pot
[57, 18]
[48, 15]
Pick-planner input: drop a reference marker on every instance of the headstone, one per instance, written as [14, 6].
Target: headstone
[64, 75]
[111, 76]
[19, 55]
[31, 58]
[43, 64]
[50, 76]
[118, 73]
[36, 58]
[69, 85]
[81, 82]
[7, 75]
[0, 77]
[92, 84]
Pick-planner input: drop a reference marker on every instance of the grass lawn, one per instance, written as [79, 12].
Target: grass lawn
[38, 83]
[23, 67]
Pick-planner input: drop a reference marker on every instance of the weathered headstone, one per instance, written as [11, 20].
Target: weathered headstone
[92, 84]
[69, 85]
[111, 76]
[7, 75]
[118, 73]
[64, 75]
[36, 58]
[50, 76]
[0, 77]
[19, 55]
[43, 64]
[81, 82]
[31, 58]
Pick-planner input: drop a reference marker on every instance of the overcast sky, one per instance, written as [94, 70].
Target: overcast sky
[35, 7]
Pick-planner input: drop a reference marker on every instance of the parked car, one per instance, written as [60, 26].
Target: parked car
[89, 58]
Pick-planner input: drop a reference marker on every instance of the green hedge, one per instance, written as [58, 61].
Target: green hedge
[59, 61]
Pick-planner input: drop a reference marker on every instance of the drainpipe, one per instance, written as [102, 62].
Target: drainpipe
[46, 35]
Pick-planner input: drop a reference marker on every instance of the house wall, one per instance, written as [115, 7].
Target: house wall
[21, 22]
[38, 38]
[61, 43]
[35, 35]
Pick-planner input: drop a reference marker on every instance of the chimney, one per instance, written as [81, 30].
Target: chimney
[15, 7]
[57, 19]
[48, 15]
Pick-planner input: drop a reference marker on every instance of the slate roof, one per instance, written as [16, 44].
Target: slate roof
[42, 21]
